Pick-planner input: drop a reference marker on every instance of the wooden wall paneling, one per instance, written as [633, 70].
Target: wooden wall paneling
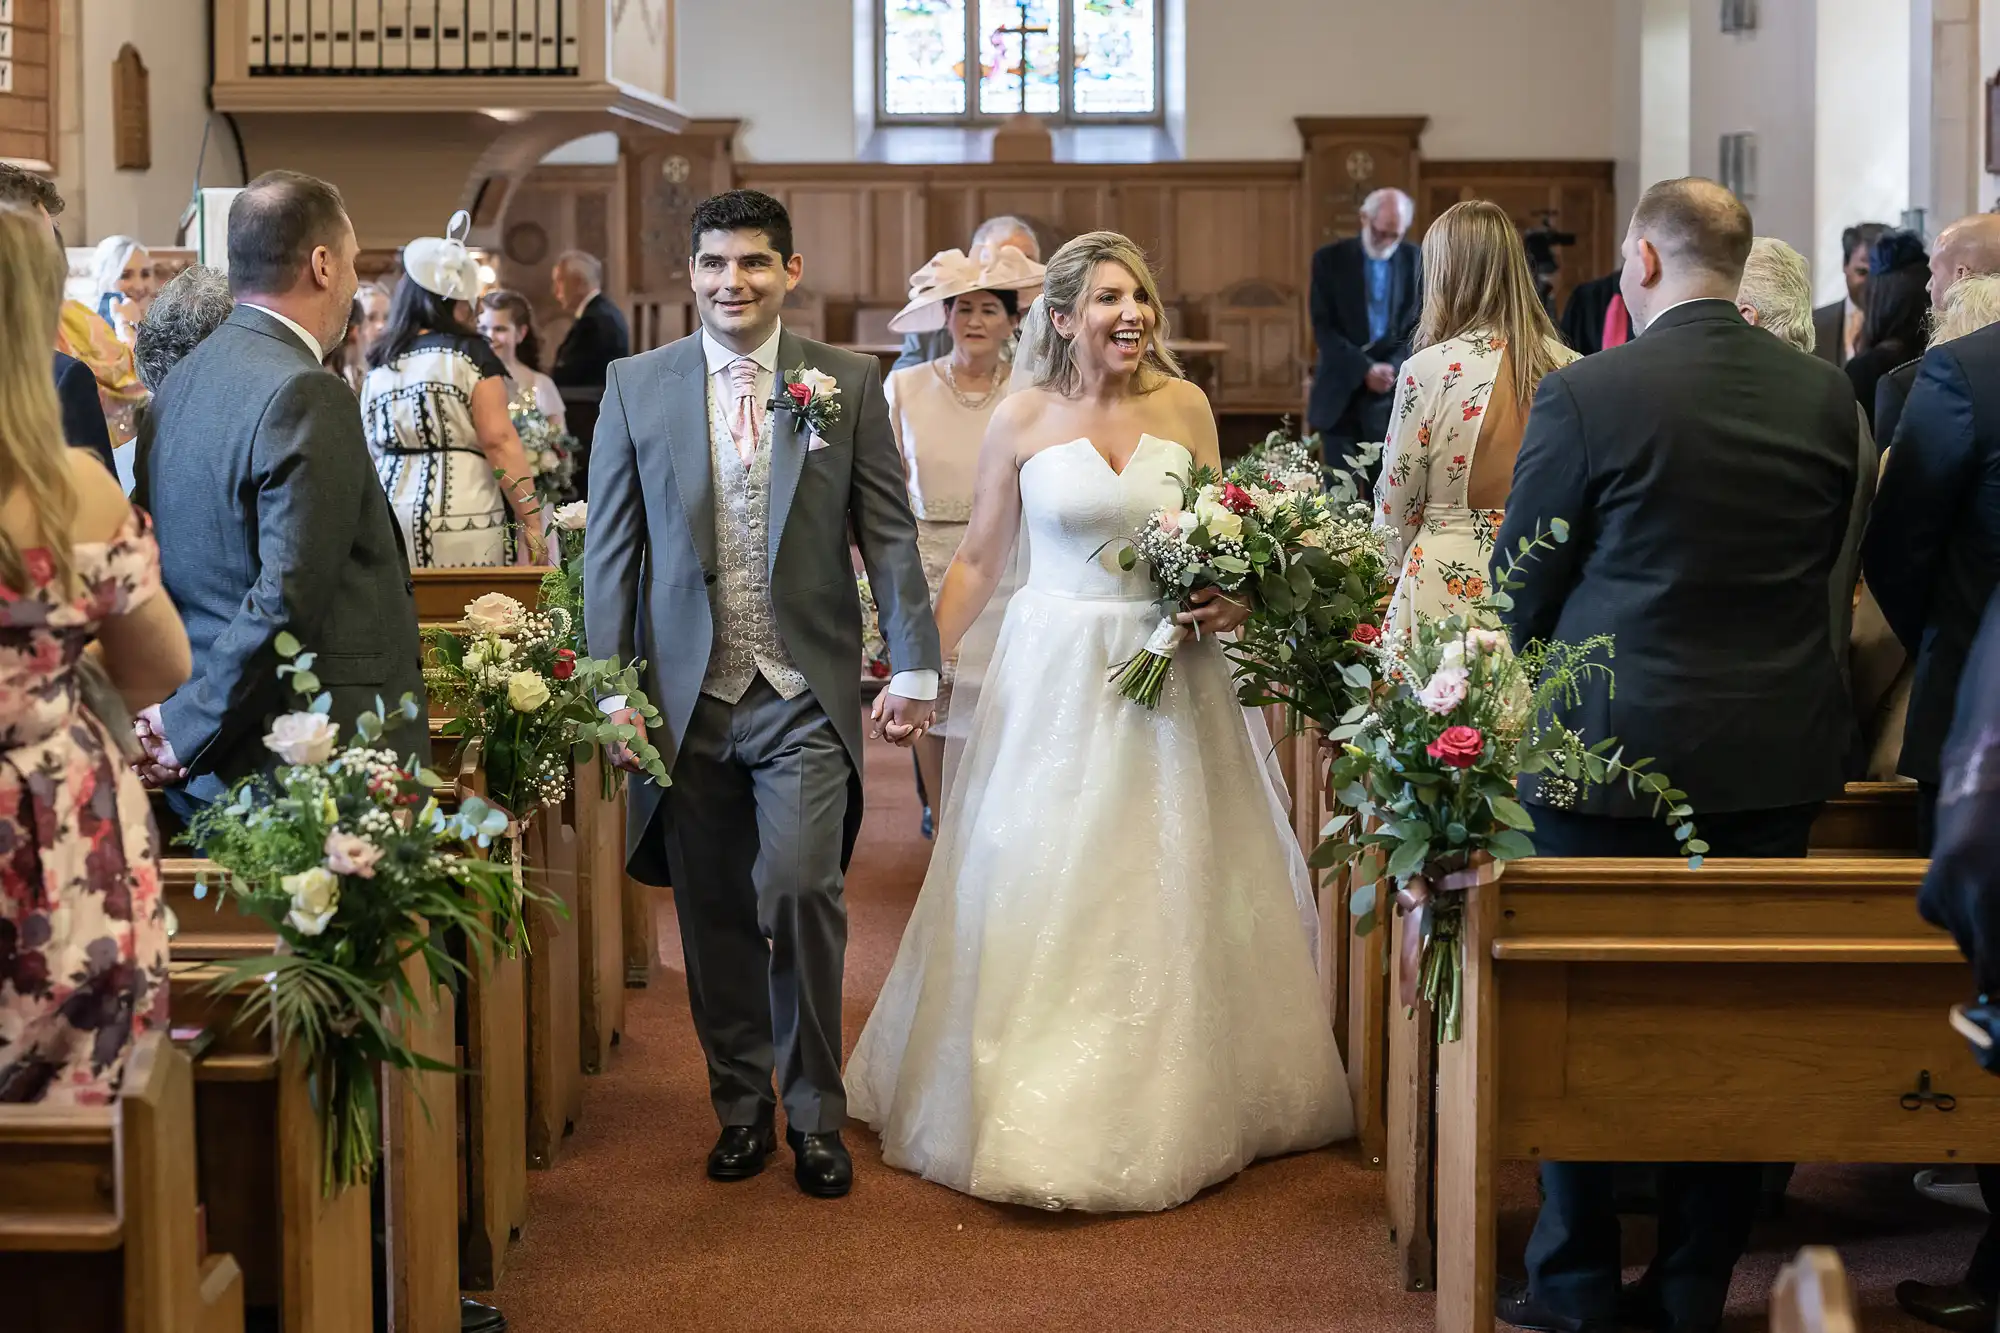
[666, 175]
[28, 110]
[556, 209]
[1347, 157]
[1582, 193]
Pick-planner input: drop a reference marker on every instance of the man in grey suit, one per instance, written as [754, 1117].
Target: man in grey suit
[268, 510]
[720, 513]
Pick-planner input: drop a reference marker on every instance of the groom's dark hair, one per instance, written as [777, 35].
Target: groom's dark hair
[742, 210]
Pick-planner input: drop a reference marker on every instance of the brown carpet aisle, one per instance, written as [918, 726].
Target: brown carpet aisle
[625, 1233]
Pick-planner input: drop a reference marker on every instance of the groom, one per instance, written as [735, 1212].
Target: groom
[720, 513]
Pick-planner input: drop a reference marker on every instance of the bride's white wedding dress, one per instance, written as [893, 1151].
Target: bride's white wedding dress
[1106, 997]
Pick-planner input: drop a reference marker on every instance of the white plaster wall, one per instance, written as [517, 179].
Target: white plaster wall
[1862, 153]
[1762, 82]
[1989, 58]
[784, 67]
[1665, 56]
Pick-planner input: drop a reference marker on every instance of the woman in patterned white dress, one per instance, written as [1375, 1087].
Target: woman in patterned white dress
[1449, 460]
[939, 412]
[434, 407]
[85, 634]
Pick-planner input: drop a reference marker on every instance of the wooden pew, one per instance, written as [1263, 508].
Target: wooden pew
[99, 1224]
[310, 1258]
[442, 594]
[600, 920]
[1867, 820]
[1750, 1011]
[555, 1063]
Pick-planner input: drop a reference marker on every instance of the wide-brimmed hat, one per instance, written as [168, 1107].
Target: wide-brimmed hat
[440, 264]
[950, 273]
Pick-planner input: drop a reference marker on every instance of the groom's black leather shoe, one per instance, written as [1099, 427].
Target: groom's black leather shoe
[1516, 1306]
[1954, 1307]
[740, 1151]
[824, 1169]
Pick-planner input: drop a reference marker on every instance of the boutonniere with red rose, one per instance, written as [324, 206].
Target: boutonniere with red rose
[809, 395]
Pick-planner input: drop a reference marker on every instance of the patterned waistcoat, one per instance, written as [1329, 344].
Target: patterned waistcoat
[746, 629]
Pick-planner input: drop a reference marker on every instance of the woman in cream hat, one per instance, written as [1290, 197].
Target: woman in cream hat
[939, 411]
[435, 409]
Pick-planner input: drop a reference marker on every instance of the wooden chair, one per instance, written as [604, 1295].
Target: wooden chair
[805, 314]
[99, 1227]
[1261, 324]
[871, 325]
[1813, 1295]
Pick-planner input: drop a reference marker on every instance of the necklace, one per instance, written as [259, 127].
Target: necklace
[966, 400]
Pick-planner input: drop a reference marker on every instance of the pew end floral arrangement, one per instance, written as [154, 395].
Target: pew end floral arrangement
[1428, 776]
[562, 586]
[514, 683]
[347, 855]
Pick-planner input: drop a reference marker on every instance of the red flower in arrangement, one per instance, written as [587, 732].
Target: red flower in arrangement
[565, 666]
[1366, 633]
[1237, 500]
[801, 393]
[879, 670]
[1459, 747]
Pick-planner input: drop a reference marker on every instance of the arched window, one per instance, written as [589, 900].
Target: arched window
[972, 61]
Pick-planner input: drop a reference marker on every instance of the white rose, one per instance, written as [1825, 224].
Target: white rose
[315, 898]
[570, 517]
[820, 383]
[1445, 691]
[526, 691]
[1218, 519]
[302, 738]
[479, 654]
[545, 460]
[1187, 521]
[1488, 641]
[1453, 657]
[494, 613]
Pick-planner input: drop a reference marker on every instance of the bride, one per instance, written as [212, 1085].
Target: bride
[1105, 998]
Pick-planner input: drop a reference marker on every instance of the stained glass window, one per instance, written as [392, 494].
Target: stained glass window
[923, 57]
[1067, 60]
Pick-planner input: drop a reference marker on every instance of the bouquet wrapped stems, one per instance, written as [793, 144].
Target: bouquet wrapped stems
[1142, 676]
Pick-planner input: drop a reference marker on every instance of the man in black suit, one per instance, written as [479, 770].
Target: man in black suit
[1837, 325]
[1367, 292]
[1595, 317]
[1932, 553]
[1968, 248]
[83, 422]
[267, 506]
[598, 335]
[1705, 471]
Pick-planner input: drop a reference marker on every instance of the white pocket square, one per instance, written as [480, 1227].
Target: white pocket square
[814, 443]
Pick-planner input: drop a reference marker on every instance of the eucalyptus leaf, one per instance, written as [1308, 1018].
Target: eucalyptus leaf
[286, 643]
[1509, 845]
[1510, 812]
[1409, 858]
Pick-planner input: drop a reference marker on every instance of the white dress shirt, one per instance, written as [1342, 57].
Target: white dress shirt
[920, 684]
[312, 343]
[1676, 306]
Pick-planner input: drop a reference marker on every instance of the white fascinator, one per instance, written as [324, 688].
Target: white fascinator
[440, 264]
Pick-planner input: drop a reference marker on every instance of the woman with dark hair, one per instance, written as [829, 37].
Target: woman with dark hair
[1895, 306]
[435, 409]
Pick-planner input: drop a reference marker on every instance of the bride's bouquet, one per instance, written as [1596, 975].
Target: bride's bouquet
[551, 450]
[1239, 540]
[1430, 771]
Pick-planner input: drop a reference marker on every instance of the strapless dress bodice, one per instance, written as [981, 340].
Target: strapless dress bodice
[1079, 515]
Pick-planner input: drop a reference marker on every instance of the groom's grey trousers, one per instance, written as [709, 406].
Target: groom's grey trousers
[753, 837]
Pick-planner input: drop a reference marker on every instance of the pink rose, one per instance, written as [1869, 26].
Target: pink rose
[1365, 633]
[347, 854]
[1445, 691]
[1169, 521]
[1458, 747]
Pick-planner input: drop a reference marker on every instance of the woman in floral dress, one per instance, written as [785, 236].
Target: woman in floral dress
[83, 944]
[1449, 459]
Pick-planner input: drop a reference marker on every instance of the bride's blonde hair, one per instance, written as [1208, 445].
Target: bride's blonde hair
[1476, 280]
[1049, 359]
[32, 460]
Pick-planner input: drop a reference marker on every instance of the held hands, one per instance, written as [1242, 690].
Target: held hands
[901, 721]
[1381, 377]
[1213, 613]
[160, 767]
[621, 753]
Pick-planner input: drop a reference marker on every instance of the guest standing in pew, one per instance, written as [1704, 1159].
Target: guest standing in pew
[83, 424]
[1898, 310]
[1961, 893]
[939, 412]
[1483, 345]
[1932, 554]
[83, 940]
[1837, 325]
[435, 410]
[1365, 296]
[185, 312]
[1968, 248]
[922, 348]
[270, 515]
[1706, 471]
[1595, 317]
[597, 336]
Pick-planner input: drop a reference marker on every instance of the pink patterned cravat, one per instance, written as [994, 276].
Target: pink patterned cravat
[746, 418]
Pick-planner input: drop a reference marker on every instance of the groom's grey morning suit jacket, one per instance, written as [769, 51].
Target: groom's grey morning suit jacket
[653, 564]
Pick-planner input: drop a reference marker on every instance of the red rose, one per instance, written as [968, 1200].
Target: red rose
[879, 670]
[563, 669]
[1237, 500]
[801, 393]
[566, 654]
[1366, 633]
[1459, 747]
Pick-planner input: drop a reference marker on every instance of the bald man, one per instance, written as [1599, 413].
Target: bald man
[1706, 472]
[1968, 248]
